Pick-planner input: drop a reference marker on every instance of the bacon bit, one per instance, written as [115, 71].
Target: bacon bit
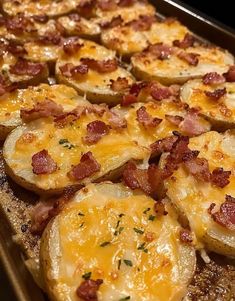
[230, 74]
[146, 119]
[156, 176]
[116, 121]
[159, 208]
[220, 178]
[45, 108]
[175, 120]
[95, 131]
[163, 145]
[150, 236]
[159, 93]
[86, 168]
[15, 48]
[125, 3]
[116, 21]
[137, 87]
[120, 84]
[136, 178]
[190, 58]
[226, 214]
[6, 85]
[199, 168]
[86, 8]
[2, 20]
[43, 163]
[107, 66]
[191, 125]
[41, 18]
[128, 100]
[50, 37]
[69, 70]
[19, 24]
[188, 41]
[24, 67]
[185, 236]
[98, 109]
[144, 23]
[87, 290]
[69, 117]
[107, 5]
[216, 94]
[213, 78]
[72, 46]
[160, 51]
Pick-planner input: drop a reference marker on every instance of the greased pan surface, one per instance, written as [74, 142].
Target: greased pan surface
[23, 284]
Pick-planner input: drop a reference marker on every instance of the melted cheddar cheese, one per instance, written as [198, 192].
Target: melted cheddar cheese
[114, 235]
[223, 109]
[193, 197]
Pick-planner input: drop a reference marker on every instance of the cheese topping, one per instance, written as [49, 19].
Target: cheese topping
[114, 247]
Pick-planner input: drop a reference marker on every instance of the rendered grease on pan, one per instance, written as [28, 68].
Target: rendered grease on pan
[117, 176]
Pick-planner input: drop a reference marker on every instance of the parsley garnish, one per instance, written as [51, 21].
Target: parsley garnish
[125, 298]
[121, 214]
[66, 143]
[152, 217]
[86, 276]
[81, 225]
[105, 243]
[142, 247]
[81, 214]
[128, 262]
[119, 264]
[138, 231]
[146, 210]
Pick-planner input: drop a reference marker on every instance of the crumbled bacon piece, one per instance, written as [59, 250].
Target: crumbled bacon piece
[137, 87]
[107, 5]
[125, 3]
[213, 78]
[50, 37]
[120, 84]
[226, 214]
[69, 70]
[146, 119]
[109, 65]
[175, 120]
[191, 124]
[72, 46]
[159, 208]
[163, 145]
[128, 99]
[66, 118]
[199, 168]
[86, 168]
[2, 20]
[41, 109]
[98, 109]
[86, 8]
[6, 86]
[220, 178]
[19, 24]
[230, 74]
[74, 17]
[41, 18]
[144, 23]
[87, 290]
[15, 48]
[160, 51]
[43, 163]
[186, 236]
[188, 41]
[116, 21]
[95, 131]
[160, 93]
[190, 58]
[24, 67]
[216, 94]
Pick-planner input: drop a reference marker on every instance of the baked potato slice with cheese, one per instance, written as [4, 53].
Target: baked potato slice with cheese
[12, 104]
[172, 65]
[136, 254]
[91, 70]
[136, 35]
[84, 145]
[216, 102]
[206, 200]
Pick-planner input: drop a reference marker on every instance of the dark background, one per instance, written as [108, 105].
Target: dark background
[221, 10]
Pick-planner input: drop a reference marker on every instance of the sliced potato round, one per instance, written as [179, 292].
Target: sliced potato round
[42, 7]
[65, 145]
[105, 233]
[220, 112]
[177, 70]
[12, 103]
[127, 40]
[193, 197]
[96, 86]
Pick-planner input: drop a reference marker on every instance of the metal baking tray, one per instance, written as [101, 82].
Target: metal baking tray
[11, 256]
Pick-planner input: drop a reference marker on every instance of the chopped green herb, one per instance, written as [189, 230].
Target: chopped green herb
[105, 243]
[146, 210]
[138, 231]
[86, 276]
[120, 230]
[118, 222]
[142, 247]
[119, 264]
[128, 262]
[152, 217]
[121, 214]
[66, 143]
[82, 224]
[125, 298]
[81, 214]
[63, 141]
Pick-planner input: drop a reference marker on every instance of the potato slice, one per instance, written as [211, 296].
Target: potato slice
[96, 86]
[115, 247]
[193, 197]
[221, 112]
[12, 103]
[42, 7]
[173, 69]
[65, 144]
[127, 39]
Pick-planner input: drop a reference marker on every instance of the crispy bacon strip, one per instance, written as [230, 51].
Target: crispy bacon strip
[220, 177]
[160, 51]
[87, 290]
[159, 93]
[188, 41]
[86, 168]
[213, 78]
[72, 46]
[199, 168]
[69, 70]
[106, 66]
[216, 94]
[95, 131]
[43, 163]
[146, 119]
[45, 108]
[191, 58]
[230, 74]
[174, 119]
[191, 124]
[24, 67]
[163, 145]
